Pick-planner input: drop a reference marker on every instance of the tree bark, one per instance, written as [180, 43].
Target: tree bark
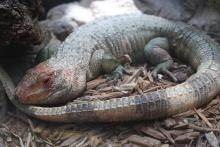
[19, 22]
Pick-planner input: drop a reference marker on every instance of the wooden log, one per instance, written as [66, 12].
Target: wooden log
[19, 22]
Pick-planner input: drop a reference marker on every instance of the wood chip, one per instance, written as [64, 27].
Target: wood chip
[165, 145]
[106, 84]
[139, 91]
[28, 139]
[125, 87]
[135, 75]
[202, 129]
[167, 134]
[105, 89]
[187, 137]
[144, 141]
[81, 143]
[200, 142]
[149, 75]
[202, 116]
[176, 133]
[94, 83]
[143, 84]
[95, 140]
[15, 135]
[153, 133]
[152, 89]
[70, 140]
[185, 114]
[181, 125]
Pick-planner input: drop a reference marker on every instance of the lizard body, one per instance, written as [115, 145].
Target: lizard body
[78, 61]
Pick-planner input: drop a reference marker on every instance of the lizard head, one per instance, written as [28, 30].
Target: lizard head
[46, 84]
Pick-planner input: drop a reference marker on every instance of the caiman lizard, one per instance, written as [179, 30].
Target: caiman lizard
[97, 47]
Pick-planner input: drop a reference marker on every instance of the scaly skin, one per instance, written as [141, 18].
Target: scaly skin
[76, 62]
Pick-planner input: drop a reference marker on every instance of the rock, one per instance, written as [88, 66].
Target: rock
[86, 3]
[207, 19]
[72, 12]
[200, 13]
[50, 49]
[50, 4]
[61, 28]
[85, 12]
[79, 13]
[212, 139]
[57, 12]
[113, 7]
[170, 9]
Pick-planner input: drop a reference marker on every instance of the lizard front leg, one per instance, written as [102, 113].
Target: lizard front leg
[115, 68]
[106, 63]
[156, 52]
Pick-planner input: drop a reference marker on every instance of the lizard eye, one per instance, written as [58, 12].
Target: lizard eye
[47, 82]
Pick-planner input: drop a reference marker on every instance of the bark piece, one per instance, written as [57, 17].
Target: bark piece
[18, 22]
[94, 83]
[144, 141]
[153, 133]
[187, 137]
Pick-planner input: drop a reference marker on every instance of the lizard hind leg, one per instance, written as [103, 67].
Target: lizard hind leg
[156, 52]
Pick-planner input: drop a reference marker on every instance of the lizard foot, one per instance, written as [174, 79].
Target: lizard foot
[163, 68]
[117, 73]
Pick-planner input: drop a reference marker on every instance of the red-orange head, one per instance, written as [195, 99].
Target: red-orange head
[48, 84]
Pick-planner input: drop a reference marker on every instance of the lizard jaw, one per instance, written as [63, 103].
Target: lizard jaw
[34, 97]
[41, 96]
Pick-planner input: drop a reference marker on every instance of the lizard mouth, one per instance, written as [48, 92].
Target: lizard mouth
[32, 97]
[58, 97]
[41, 97]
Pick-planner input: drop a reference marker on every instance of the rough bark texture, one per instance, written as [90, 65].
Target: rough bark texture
[19, 22]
